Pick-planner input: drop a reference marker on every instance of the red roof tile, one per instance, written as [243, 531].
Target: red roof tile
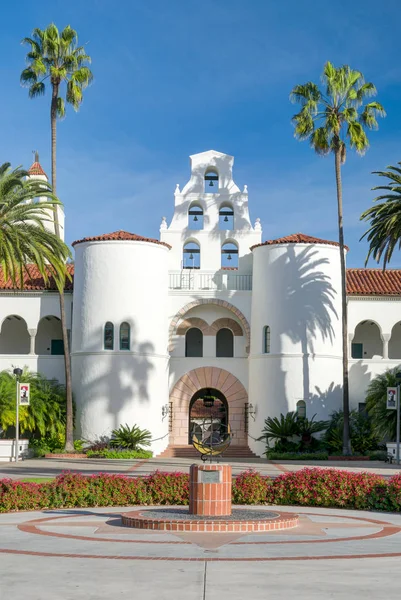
[36, 169]
[34, 281]
[373, 282]
[296, 238]
[119, 235]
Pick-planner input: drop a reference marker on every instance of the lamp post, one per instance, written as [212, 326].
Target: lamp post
[17, 372]
[398, 378]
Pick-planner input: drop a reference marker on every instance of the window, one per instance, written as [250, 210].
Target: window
[194, 342]
[211, 181]
[56, 347]
[301, 409]
[195, 217]
[229, 256]
[356, 350]
[124, 336]
[266, 339]
[108, 336]
[225, 343]
[191, 256]
[226, 217]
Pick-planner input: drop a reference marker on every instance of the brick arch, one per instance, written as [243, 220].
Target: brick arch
[226, 323]
[182, 312]
[197, 379]
[193, 322]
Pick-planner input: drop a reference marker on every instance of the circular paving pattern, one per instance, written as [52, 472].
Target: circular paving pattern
[99, 533]
[180, 519]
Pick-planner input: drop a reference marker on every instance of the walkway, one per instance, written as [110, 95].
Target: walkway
[51, 467]
[87, 554]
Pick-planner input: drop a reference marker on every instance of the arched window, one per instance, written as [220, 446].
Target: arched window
[195, 217]
[211, 181]
[194, 342]
[229, 255]
[301, 409]
[124, 336]
[225, 343]
[191, 256]
[367, 342]
[109, 336]
[266, 339]
[226, 217]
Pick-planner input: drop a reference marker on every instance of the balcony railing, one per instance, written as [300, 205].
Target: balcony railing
[189, 279]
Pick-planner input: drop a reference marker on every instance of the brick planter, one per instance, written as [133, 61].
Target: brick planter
[65, 455]
[359, 458]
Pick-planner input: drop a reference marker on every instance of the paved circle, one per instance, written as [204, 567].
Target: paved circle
[98, 533]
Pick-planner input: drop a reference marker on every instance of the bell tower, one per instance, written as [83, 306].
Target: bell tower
[211, 228]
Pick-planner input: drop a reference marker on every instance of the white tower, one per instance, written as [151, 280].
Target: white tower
[295, 362]
[119, 338]
[36, 173]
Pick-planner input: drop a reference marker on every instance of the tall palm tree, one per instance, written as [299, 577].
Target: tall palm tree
[330, 118]
[384, 232]
[57, 59]
[26, 207]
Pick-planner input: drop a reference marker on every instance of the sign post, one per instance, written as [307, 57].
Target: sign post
[17, 372]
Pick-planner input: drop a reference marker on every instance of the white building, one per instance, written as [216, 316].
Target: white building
[156, 323]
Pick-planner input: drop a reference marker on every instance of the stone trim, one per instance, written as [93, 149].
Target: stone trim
[193, 322]
[183, 311]
[226, 323]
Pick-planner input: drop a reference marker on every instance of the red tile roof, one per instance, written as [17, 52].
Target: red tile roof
[34, 281]
[373, 282]
[36, 169]
[296, 238]
[119, 235]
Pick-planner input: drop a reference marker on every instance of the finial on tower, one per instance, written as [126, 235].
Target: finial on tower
[245, 189]
[258, 226]
[163, 224]
[177, 189]
[36, 155]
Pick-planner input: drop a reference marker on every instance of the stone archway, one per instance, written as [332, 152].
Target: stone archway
[208, 377]
[183, 311]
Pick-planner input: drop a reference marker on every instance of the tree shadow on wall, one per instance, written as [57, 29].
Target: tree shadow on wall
[119, 379]
[308, 303]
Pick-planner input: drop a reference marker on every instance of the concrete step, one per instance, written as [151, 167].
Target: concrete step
[175, 451]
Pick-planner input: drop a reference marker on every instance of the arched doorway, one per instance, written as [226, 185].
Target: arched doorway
[206, 421]
[193, 382]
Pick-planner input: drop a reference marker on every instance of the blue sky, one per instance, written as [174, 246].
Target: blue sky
[176, 77]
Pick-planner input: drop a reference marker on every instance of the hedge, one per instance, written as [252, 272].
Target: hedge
[309, 487]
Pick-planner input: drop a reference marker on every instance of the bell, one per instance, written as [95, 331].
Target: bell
[226, 219]
[211, 183]
[191, 256]
[229, 257]
[195, 218]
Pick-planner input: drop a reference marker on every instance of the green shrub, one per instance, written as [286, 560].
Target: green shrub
[363, 438]
[121, 454]
[378, 455]
[297, 455]
[130, 438]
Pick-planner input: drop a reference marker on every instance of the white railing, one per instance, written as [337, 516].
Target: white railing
[191, 279]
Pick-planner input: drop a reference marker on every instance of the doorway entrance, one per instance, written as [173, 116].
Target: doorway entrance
[205, 421]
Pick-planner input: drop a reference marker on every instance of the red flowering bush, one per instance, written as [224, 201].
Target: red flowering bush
[250, 487]
[168, 488]
[308, 487]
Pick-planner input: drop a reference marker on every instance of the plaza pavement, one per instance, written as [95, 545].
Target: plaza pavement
[51, 467]
[77, 554]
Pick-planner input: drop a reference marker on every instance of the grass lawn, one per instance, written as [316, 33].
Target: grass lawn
[36, 479]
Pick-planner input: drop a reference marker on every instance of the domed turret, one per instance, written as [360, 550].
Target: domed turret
[119, 341]
[296, 328]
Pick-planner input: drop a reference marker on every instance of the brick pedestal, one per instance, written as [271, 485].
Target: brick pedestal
[210, 490]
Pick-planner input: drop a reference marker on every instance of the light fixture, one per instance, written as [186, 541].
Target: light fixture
[17, 372]
[226, 219]
[250, 411]
[165, 411]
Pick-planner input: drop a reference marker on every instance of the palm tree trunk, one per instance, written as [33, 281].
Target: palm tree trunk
[344, 319]
[69, 430]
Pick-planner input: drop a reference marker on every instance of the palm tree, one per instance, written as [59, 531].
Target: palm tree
[330, 119]
[384, 421]
[385, 218]
[24, 238]
[56, 57]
